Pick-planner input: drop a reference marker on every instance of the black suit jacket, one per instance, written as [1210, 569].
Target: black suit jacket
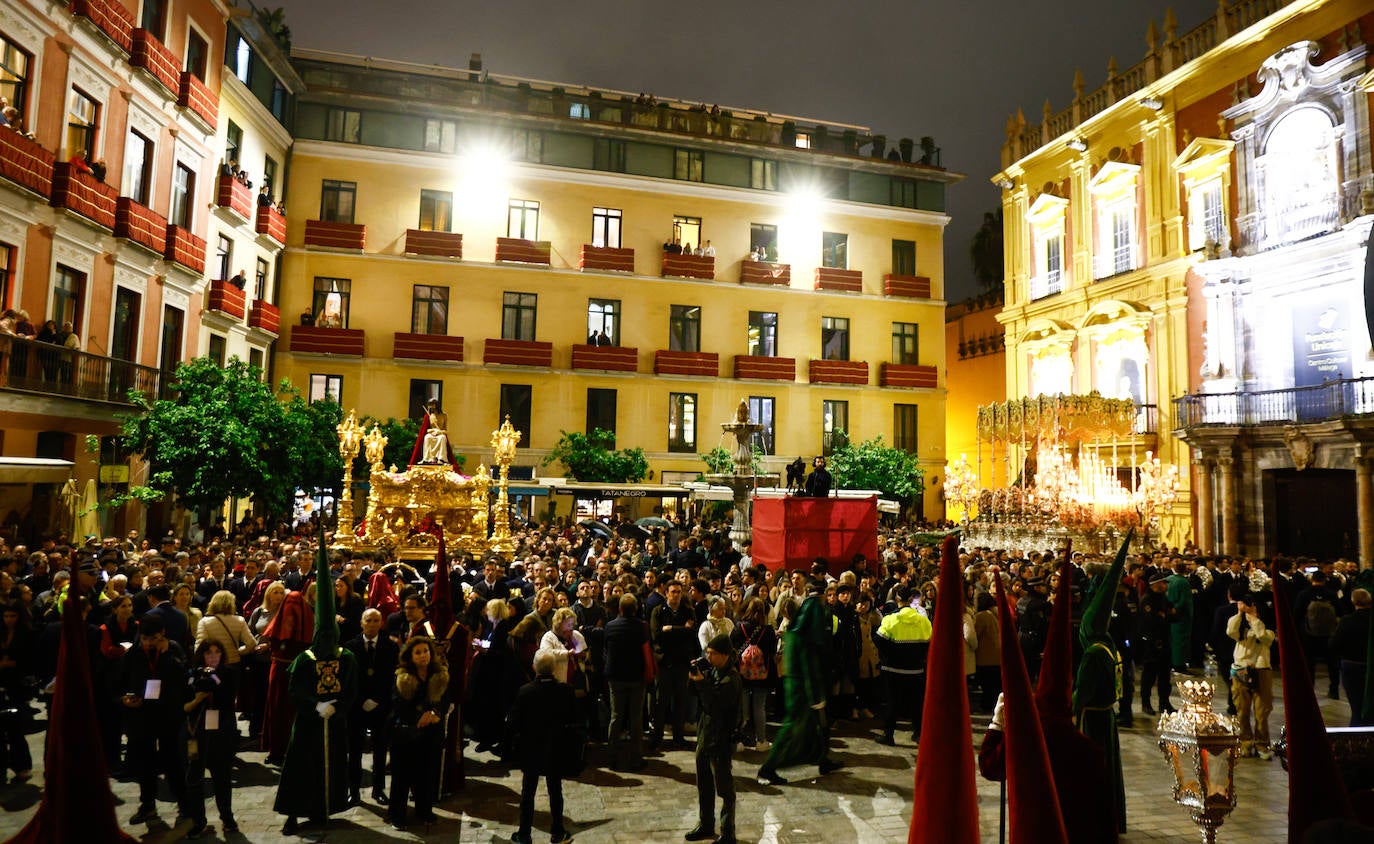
[540, 727]
[376, 676]
[173, 621]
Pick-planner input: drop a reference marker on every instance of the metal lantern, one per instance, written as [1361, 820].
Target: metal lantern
[1201, 747]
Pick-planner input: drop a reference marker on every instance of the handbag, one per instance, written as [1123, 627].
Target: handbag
[1247, 676]
[650, 667]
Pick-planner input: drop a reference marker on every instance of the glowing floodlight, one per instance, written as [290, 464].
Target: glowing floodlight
[484, 171]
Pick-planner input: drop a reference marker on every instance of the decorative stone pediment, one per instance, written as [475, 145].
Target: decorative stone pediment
[1204, 159]
[1113, 179]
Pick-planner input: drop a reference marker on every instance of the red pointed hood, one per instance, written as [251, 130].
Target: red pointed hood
[1054, 689]
[381, 595]
[441, 601]
[945, 805]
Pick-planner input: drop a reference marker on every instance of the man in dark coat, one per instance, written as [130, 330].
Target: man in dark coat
[819, 481]
[720, 690]
[377, 656]
[624, 646]
[538, 729]
[673, 628]
[153, 686]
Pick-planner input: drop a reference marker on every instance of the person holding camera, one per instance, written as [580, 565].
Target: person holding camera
[1252, 677]
[152, 681]
[720, 689]
[212, 735]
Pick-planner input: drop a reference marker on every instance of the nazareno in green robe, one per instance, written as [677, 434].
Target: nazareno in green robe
[804, 737]
[1095, 693]
[305, 770]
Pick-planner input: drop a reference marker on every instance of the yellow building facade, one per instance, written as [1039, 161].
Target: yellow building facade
[469, 245]
[976, 371]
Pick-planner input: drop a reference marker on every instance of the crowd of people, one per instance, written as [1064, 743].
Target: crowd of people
[621, 643]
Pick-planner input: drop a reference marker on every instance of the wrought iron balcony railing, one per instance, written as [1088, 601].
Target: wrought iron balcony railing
[1332, 400]
[31, 366]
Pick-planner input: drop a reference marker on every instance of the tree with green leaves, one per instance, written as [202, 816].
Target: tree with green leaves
[873, 465]
[593, 458]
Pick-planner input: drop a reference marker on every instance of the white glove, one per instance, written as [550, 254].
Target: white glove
[818, 706]
[325, 709]
[998, 718]
[369, 705]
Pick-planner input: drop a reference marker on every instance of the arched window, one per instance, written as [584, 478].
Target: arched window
[1301, 177]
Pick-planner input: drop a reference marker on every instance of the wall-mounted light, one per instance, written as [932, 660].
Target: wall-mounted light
[1005, 184]
[1078, 145]
[1152, 103]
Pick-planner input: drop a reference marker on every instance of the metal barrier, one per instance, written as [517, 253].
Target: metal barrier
[35, 367]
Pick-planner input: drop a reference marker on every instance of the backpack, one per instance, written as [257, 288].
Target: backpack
[752, 665]
[1321, 618]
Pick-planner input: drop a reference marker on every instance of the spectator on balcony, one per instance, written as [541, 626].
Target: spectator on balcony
[281, 207]
[709, 251]
[229, 168]
[243, 179]
[8, 320]
[240, 280]
[673, 247]
[758, 254]
[4, 111]
[265, 197]
[98, 170]
[688, 250]
[22, 326]
[69, 338]
[599, 338]
[78, 162]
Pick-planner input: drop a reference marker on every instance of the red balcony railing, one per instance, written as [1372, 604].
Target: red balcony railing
[196, 96]
[833, 278]
[110, 17]
[838, 372]
[31, 366]
[82, 194]
[428, 347]
[609, 358]
[26, 163]
[235, 195]
[607, 259]
[764, 272]
[227, 298]
[699, 364]
[335, 235]
[272, 223]
[327, 341]
[688, 266]
[434, 244]
[140, 224]
[909, 286]
[185, 248]
[518, 352]
[520, 251]
[908, 376]
[153, 56]
[265, 316]
[757, 367]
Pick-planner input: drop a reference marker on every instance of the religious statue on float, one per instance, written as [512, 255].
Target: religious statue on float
[432, 446]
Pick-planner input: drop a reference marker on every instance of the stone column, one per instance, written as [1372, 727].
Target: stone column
[1230, 522]
[1206, 512]
[1364, 503]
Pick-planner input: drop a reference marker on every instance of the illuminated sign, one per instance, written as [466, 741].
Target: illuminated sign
[1321, 344]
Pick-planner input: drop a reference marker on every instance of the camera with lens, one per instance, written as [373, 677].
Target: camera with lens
[204, 680]
[701, 665]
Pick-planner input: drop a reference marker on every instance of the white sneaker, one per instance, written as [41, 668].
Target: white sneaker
[762, 746]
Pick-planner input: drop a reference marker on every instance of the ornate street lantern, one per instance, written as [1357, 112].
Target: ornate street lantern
[503, 441]
[350, 437]
[1201, 747]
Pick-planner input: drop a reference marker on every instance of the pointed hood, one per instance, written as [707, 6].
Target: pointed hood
[945, 804]
[1033, 809]
[1316, 790]
[325, 643]
[1097, 613]
[441, 601]
[381, 595]
[1054, 689]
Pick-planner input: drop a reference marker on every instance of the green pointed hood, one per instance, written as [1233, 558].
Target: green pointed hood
[325, 645]
[1098, 612]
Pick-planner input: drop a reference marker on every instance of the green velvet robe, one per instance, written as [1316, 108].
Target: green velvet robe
[804, 737]
[1095, 693]
[304, 773]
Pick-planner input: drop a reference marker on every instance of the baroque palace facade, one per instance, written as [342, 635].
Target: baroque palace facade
[1191, 236]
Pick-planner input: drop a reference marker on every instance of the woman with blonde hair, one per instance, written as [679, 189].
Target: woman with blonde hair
[568, 647]
[494, 677]
[416, 732]
[224, 626]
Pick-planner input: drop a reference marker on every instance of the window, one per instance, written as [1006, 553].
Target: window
[68, 297]
[600, 410]
[1049, 279]
[904, 257]
[835, 250]
[1207, 215]
[421, 391]
[686, 230]
[154, 18]
[224, 252]
[197, 54]
[218, 349]
[763, 333]
[269, 174]
[761, 413]
[1300, 174]
[326, 387]
[517, 316]
[834, 338]
[128, 305]
[429, 310]
[523, 219]
[834, 425]
[580, 111]
[436, 211]
[763, 174]
[765, 237]
[903, 193]
[255, 360]
[441, 136]
[173, 327]
[682, 422]
[905, 347]
[183, 196]
[609, 155]
[279, 101]
[904, 427]
[687, 164]
[606, 224]
[527, 145]
[684, 328]
[603, 317]
[6, 256]
[337, 200]
[233, 142]
[260, 279]
[331, 302]
[243, 61]
[341, 124]
[803, 140]
[83, 120]
[138, 167]
[14, 74]
[515, 403]
[1123, 240]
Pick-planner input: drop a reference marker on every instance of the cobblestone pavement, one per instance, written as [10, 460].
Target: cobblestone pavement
[867, 801]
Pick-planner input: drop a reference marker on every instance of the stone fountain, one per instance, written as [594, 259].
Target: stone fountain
[742, 478]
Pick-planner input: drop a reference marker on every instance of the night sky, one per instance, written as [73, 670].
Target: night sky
[905, 68]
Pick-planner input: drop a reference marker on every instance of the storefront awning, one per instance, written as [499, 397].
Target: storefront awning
[603, 491]
[34, 470]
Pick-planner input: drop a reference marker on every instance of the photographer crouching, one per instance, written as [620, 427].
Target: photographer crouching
[720, 689]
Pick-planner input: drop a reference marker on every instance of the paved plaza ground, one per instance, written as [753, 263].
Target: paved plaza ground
[868, 801]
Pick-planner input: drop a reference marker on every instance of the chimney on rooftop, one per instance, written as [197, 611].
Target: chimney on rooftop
[475, 65]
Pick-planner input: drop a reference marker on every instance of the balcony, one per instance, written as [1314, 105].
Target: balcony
[516, 250]
[834, 278]
[228, 299]
[110, 18]
[185, 248]
[140, 224]
[26, 163]
[1296, 405]
[427, 244]
[906, 286]
[908, 376]
[605, 358]
[696, 364]
[265, 316]
[311, 339]
[196, 97]
[81, 194]
[1115, 262]
[326, 235]
[760, 368]
[29, 366]
[1046, 284]
[518, 352]
[764, 272]
[838, 372]
[606, 259]
[689, 266]
[271, 223]
[439, 347]
[234, 195]
[149, 54]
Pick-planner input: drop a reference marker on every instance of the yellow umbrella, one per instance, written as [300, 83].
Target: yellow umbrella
[89, 520]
